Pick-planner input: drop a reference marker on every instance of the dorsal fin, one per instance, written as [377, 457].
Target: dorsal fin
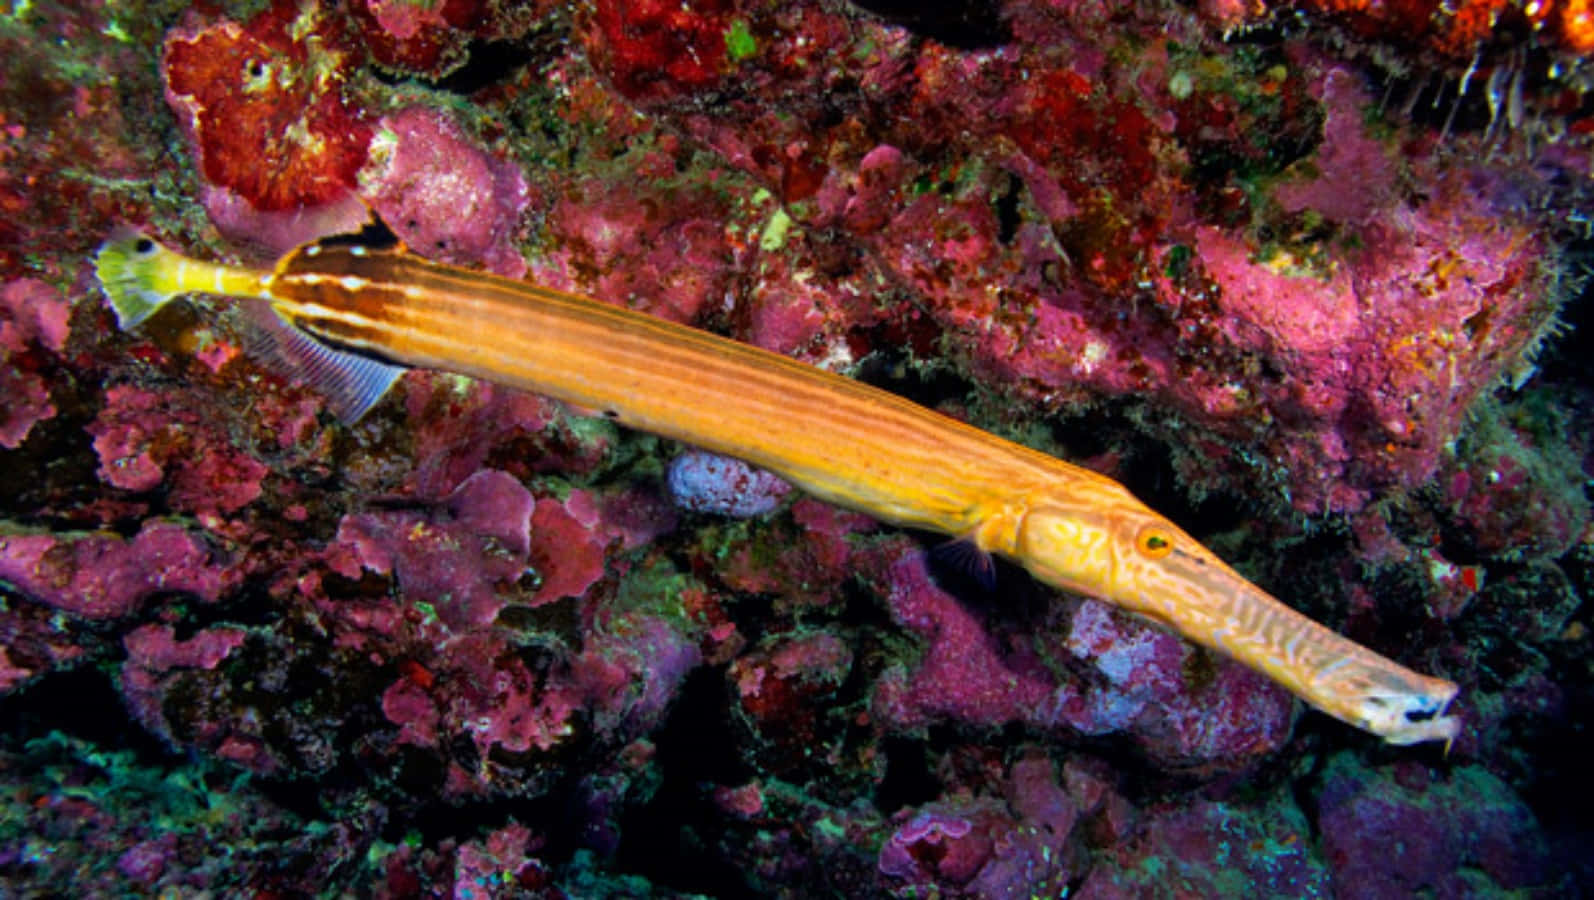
[375, 236]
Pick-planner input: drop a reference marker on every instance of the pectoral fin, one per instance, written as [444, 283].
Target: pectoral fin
[965, 556]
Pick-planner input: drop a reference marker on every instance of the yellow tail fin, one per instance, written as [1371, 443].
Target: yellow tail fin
[140, 276]
[129, 266]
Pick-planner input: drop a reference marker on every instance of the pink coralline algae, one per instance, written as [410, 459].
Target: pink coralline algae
[433, 39]
[456, 555]
[658, 247]
[146, 440]
[962, 675]
[570, 554]
[1336, 343]
[442, 195]
[33, 330]
[459, 423]
[630, 673]
[785, 689]
[499, 865]
[506, 705]
[806, 561]
[104, 576]
[1375, 355]
[154, 652]
[517, 709]
[571, 539]
[481, 554]
[797, 311]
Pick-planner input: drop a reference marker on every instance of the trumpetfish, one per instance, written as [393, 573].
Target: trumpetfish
[357, 316]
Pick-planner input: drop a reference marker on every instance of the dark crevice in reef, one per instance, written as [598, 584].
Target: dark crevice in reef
[74, 702]
[965, 24]
[670, 840]
[487, 63]
[909, 780]
[1149, 474]
[890, 368]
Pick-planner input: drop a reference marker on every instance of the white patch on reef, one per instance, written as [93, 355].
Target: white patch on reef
[1095, 352]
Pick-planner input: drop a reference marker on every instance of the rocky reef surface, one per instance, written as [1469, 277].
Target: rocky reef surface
[1305, 277]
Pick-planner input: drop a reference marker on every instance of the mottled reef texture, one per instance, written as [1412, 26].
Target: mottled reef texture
[1299, 275]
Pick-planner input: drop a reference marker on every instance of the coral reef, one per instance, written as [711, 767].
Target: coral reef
[272, 88]
[1294, 275]
[35, 324]
[1463, 833]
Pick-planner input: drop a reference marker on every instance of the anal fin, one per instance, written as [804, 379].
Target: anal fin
[351, 382]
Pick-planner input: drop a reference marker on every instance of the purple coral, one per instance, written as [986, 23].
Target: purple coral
[146, 439]
[986, 847]
[459, 561]
[937, 843]
[708, 482]
[1225, 718]
[154, 651]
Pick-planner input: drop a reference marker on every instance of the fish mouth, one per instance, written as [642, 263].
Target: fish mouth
[1411, 717]
[1322, 667]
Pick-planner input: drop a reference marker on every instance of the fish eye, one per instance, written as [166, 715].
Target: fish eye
[144, 246]
[1154, 541]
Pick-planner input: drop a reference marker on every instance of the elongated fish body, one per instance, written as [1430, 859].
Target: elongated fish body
[359, 315]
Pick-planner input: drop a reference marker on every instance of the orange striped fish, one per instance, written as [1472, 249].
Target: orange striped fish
[357, 316]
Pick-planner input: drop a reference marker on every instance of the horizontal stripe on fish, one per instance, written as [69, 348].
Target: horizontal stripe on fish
[767, 408]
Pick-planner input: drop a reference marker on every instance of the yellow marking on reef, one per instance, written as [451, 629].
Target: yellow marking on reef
[842, 441]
